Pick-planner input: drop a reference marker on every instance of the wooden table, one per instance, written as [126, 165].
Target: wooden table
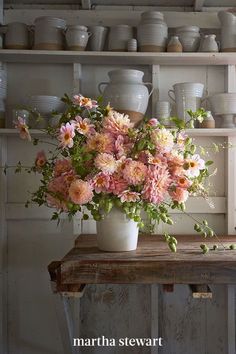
[151, 263]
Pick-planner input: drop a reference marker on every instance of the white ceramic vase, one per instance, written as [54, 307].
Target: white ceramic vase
[189, 37]
[116, 232]
[127, 93]
[152, 32]
[228, 31]
[118, 37]
[209, 44]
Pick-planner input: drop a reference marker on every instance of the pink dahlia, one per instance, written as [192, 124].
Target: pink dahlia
[62, 166]
[193, 165]
[153, 122]
[100, 182]
[101, 142]
[129, 196]
[83, 126]
[57, 195]
[40, 160]
[134, 172]
[105, 162]
[157, 184]
[180, 140]
[80, 192]
[117, 123]
[183, 182]
[123, 146]
[84, 102]
[117, 184]
[163, 139]
[66, 135]
[179, 195]
[23, 128]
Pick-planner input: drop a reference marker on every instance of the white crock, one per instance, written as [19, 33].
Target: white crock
[17, 36]
[118, 37]
[127, 93]
[209, 44]
[189, 37]
[49, 33]
[116, 232]
[228, 31]
[77, 37]
[187, 95]
[152, 32]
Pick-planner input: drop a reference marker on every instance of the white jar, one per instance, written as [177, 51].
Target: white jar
[189, 37]
[209, 44]
[49, 33]
[152, 32]
[17, 36]
[118, 37]
[77, 37]
[228, 31]
[127, 93]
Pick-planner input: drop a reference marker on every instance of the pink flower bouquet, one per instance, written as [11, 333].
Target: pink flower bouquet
[102, 161]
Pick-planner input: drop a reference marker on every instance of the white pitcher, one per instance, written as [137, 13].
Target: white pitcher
[228, 31]
[126, 92]
[187, 95]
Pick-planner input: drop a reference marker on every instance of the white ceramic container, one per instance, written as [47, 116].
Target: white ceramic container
[187, 95]
[152, 32]
[98, 37]
[228, 31]
[49, 33]
[77, 37]
[46, 104]
[118, 37]
[117, 233]
[223, 103]
[162, 112]
[132, 45]
[17, 36]
[189, 37]
[209, 44]
[127, 93]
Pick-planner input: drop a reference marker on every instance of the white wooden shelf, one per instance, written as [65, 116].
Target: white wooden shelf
[120, 58]
[191, 132]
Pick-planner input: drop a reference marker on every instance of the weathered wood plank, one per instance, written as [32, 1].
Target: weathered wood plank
[151, 263]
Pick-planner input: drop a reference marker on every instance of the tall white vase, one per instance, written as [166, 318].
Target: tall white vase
[116, 232]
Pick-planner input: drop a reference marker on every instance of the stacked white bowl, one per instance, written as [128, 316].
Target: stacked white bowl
[44, 105]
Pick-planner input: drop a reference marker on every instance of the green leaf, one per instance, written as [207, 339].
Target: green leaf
[209, 163]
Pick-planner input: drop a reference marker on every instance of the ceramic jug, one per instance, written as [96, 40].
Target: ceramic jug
[127, 93]
[187, 95]
[152, 32]
[228, 31]
[77, 37]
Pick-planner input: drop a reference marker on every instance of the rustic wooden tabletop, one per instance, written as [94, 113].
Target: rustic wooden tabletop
[152, 262]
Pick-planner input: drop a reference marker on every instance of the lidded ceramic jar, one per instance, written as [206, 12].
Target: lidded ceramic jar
[17, 36]
[49, 33]
[189, 37]
[152, 32]
[77, 37]
[126, 92]
[119, 36]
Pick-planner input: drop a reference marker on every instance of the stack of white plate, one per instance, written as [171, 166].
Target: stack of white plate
[44, 105]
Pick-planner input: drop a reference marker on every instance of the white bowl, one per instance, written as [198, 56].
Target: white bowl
[46, 104]
[223, 103]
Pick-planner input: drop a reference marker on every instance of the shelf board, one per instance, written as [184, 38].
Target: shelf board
[120, 58]
[192, 132]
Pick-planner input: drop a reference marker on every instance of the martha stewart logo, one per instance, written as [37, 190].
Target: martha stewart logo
[121, 342]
